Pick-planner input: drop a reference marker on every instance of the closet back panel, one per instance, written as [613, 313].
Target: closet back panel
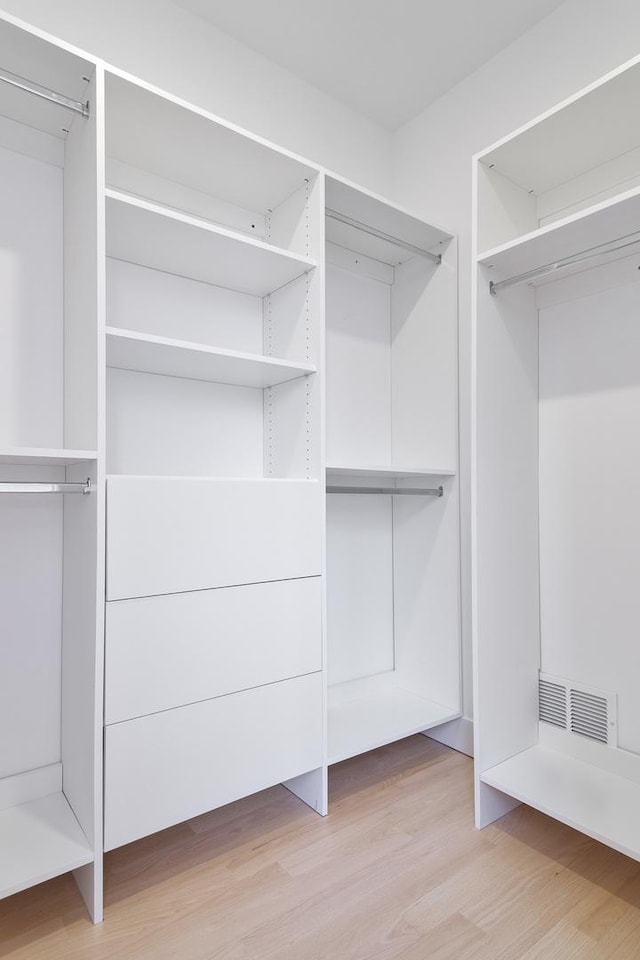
[358, 369]
[165, 305]
[31, 279]
[31, 604]
[589, 496]
[360, 586]
[168, 425]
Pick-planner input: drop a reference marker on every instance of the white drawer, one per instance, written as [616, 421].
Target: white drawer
[173, 534]
[168, 767]
[172, 650]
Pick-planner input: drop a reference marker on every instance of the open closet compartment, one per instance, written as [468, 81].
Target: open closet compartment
[391, 473]
[50, 488]
[215, 505]
[555, 512]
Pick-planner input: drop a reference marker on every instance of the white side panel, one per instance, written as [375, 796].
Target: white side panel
[163, 652]
[166, 305]
[31, 286]
[169, 534]
[505, 210]
[505, 531]
[358, 369]
[289, 224]
[589, 485]
[427, 595]
[174, 765]
[424, 358]
[31, 605]
[359, 586]
[31, 785]
[167, 425]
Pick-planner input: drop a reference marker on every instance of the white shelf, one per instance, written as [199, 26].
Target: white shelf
[335, 472]
[44, 456]
[368, 713]
[155, 236]
[601, 804]
[603, 223]
[129, 350]
[39, 840]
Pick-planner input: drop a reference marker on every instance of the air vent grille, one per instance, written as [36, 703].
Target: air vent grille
[578, 709]
[553, 703]
[589, 715]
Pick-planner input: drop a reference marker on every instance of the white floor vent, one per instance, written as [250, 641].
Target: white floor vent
[582, 710]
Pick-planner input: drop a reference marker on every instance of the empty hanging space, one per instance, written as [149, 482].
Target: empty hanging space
[392, 513]
[555, 538]
[50, 800]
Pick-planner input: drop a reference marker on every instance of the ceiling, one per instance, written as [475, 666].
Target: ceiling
[388, 59]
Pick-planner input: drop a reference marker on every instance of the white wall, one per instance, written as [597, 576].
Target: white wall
[576, 44]
[165, 45]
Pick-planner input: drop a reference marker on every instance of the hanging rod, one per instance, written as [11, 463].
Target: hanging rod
[44, 93]
[342, 218]
[394, 491]
[549, 268]
[8, 486]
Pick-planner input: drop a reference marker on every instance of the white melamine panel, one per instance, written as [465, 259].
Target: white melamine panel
[601, 224]
[289, 327]
[34, 456]
[368, 713]
[171, 766]
[424, 361]
[154, 236]
[167, 137]
[590, 519]
[31, 142]
[505, 527]
[163, 652]
[169, 534]
[39, 840]
[505, 210]
[31, 334]
[168, 425]
[358, 369]
[48, 65]
[588, 798]
[336, 474]
[163, 304]
[128, 350]
[381, 215]
[426, 597]
[30, 785]
[359, 586]
[31, 605]
[572, 139]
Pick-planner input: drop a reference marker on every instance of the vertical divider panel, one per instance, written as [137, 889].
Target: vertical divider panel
[83, 579]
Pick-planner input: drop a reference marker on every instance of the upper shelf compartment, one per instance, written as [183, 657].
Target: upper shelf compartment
[166, 150]
[154, 236]
[555, 166]
[47, 66]
[365, 224]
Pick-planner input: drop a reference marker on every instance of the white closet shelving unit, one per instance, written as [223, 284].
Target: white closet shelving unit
[557, 392]
[392, 504]
[214, 651]
[51, 545]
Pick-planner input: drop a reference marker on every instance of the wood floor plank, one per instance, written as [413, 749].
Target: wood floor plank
[395, 872]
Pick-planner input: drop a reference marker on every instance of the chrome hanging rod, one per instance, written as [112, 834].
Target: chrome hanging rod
[44, 93]
[8, 486]
[550, 268]
[393, 491]
[350, 222]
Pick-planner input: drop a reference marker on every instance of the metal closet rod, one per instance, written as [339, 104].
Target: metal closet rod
[350, 222]
[549, 268]
[44, 93]
[8, 486]
[394, 491]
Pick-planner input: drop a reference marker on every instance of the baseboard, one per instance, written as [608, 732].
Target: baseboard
[457, 734]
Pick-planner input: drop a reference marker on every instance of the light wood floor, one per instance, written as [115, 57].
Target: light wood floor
[396, 871]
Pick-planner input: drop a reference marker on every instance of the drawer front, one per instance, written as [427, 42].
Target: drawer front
[174, 534]
[166, 768]
[167, 651]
